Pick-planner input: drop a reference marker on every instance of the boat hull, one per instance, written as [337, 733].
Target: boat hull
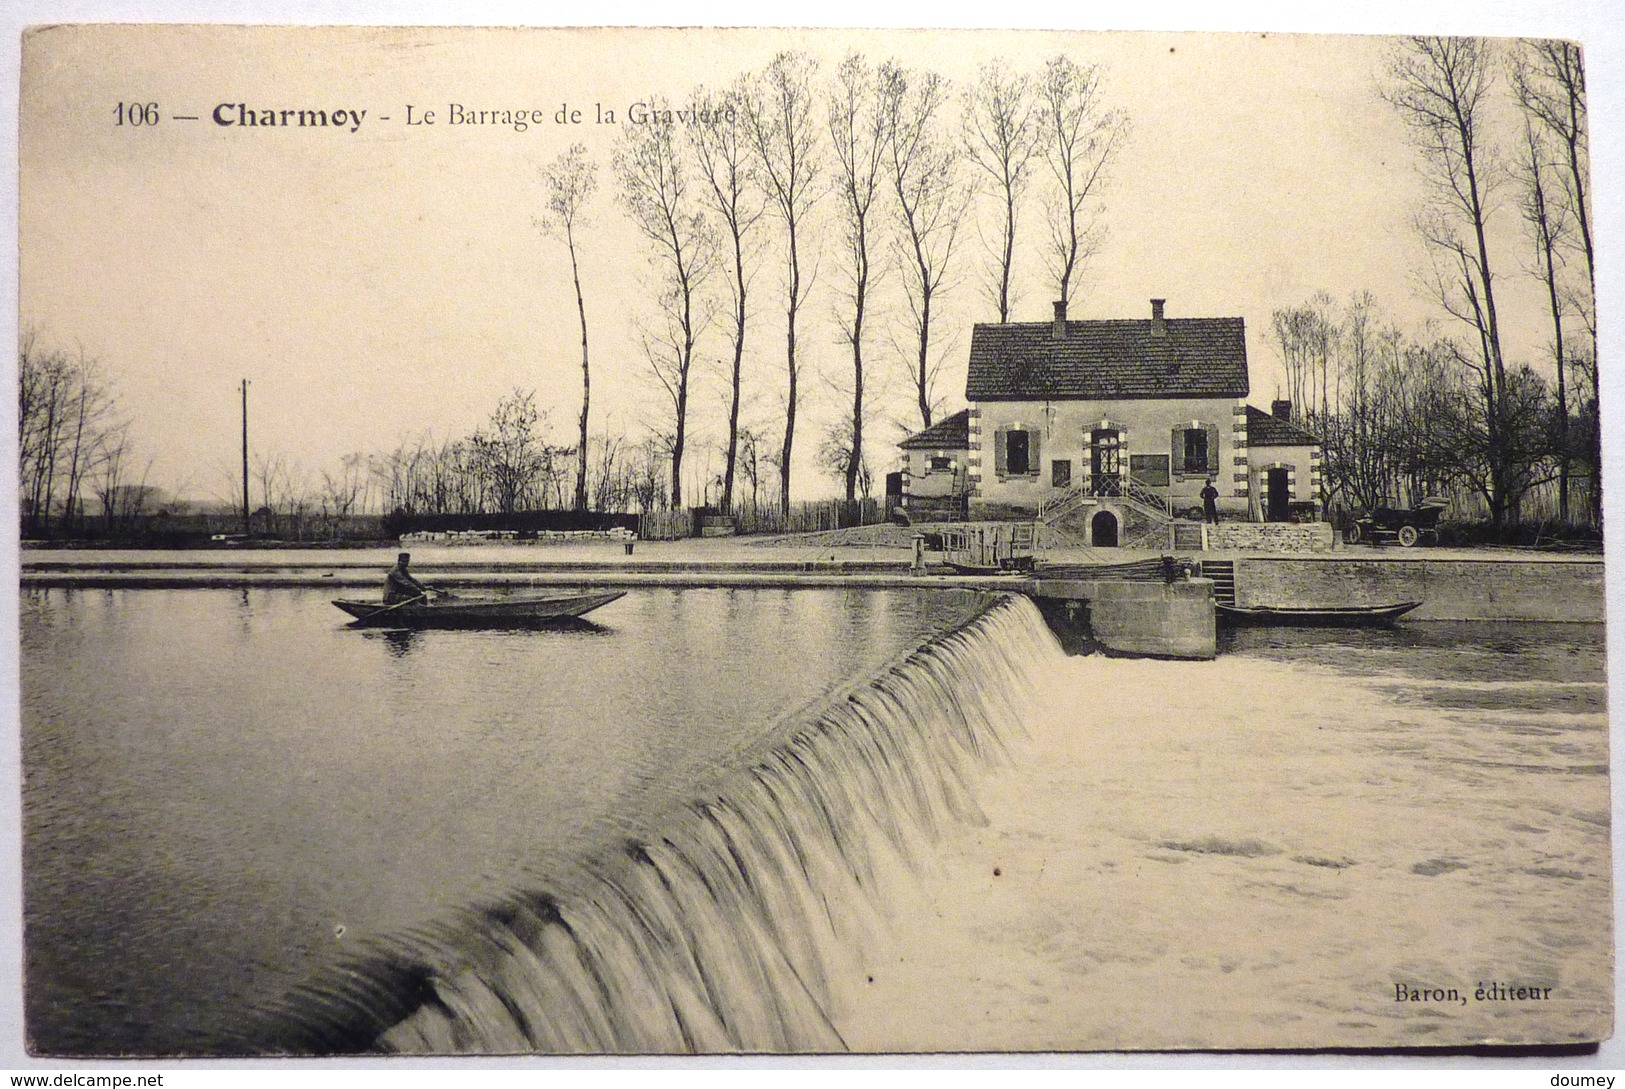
[485, 612]
[1336, 616]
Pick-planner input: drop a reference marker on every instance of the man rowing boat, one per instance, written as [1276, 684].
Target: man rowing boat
[399, 585]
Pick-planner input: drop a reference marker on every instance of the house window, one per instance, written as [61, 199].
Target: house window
[1196, 460]
[1195, 449]
[937, 463]
[1060, 474]
[1016, 453]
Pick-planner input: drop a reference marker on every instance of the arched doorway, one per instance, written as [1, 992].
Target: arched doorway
[1103, 530]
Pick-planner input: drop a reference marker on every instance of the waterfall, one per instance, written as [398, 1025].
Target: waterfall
[726, 931]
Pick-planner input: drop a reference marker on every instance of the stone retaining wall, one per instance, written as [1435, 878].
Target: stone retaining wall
[1270, 536]
[1139, 619]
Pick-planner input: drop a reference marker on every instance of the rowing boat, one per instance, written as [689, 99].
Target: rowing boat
[1316, 615]
[477, 612]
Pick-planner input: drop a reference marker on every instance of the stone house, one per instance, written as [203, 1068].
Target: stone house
[936, 465]
[1112, 428]
[1283, 466]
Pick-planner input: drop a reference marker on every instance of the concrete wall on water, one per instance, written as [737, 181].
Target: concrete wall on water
[1517, 588]
[1143, 619]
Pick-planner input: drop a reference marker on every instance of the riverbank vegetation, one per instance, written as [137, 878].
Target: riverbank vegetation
[1405, 414]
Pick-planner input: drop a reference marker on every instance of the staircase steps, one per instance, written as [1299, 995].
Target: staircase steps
[1223, 574]
[1187, 536]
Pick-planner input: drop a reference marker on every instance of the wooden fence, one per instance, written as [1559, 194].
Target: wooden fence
[814, 516]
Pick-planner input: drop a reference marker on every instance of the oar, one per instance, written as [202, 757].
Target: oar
[392, 608]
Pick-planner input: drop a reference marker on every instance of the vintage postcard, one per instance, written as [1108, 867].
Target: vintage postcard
[799, 542]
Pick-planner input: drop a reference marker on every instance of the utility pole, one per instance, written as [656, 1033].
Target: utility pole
[246, 528]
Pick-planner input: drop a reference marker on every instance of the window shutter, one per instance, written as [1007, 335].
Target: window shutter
[1034, 450]
[1176, 452]
[1212, 448]
[999, 450]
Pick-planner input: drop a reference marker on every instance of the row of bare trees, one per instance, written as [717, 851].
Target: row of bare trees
[507, 465]
[890, 161]
[75, 456]
[1401, 416]
[874, 169]
[1452, 94]
[78, 474]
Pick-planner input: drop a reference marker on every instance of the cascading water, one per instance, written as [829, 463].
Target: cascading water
[728, 931]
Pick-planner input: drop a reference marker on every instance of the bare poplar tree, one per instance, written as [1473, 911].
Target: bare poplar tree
[659, 195]
[1548, 78]
[999, 124]
[1077, 137]
[1441, 89]
[778, 121]
[733, 194]
[858, 132]
[932, 200]
[570, 180]
[1547, 225]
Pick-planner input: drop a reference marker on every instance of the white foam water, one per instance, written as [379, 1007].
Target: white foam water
[722, 932]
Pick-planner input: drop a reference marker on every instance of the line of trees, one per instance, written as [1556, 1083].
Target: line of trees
[1406, 415]
[74, 452]
[888, 161]
[1448, 92]
[882, 179]
[872, 170]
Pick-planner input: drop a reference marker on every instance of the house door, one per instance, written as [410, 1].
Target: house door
[1276, 495]
[1103, 530]
[1106, 463]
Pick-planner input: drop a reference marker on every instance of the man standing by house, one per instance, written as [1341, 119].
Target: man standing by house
[1210, 503]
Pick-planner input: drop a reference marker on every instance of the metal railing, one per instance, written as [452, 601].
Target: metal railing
[1152, 504]
[1157, 503]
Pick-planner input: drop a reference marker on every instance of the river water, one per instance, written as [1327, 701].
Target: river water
[225, 789]
[1000, 848]
[1254, 852]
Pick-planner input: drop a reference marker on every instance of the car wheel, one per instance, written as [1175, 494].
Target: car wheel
[1408, 536]
[1352, 534]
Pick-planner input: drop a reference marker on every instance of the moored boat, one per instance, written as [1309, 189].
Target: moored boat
[476, 612]
[1316, 615]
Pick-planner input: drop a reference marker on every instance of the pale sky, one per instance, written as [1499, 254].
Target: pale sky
[380, 284]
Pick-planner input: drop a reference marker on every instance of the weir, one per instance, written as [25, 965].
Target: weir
[734, 927]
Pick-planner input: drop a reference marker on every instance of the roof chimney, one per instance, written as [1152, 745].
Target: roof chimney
[1158, 326]
[1058, 330]
[1281, 410]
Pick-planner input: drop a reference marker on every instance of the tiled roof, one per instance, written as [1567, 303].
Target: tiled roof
[1107, 360]
[952, 433]
[1266, 430]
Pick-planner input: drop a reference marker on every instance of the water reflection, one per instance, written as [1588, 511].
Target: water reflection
[241, 760]
[403, 640]
[398, 640]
